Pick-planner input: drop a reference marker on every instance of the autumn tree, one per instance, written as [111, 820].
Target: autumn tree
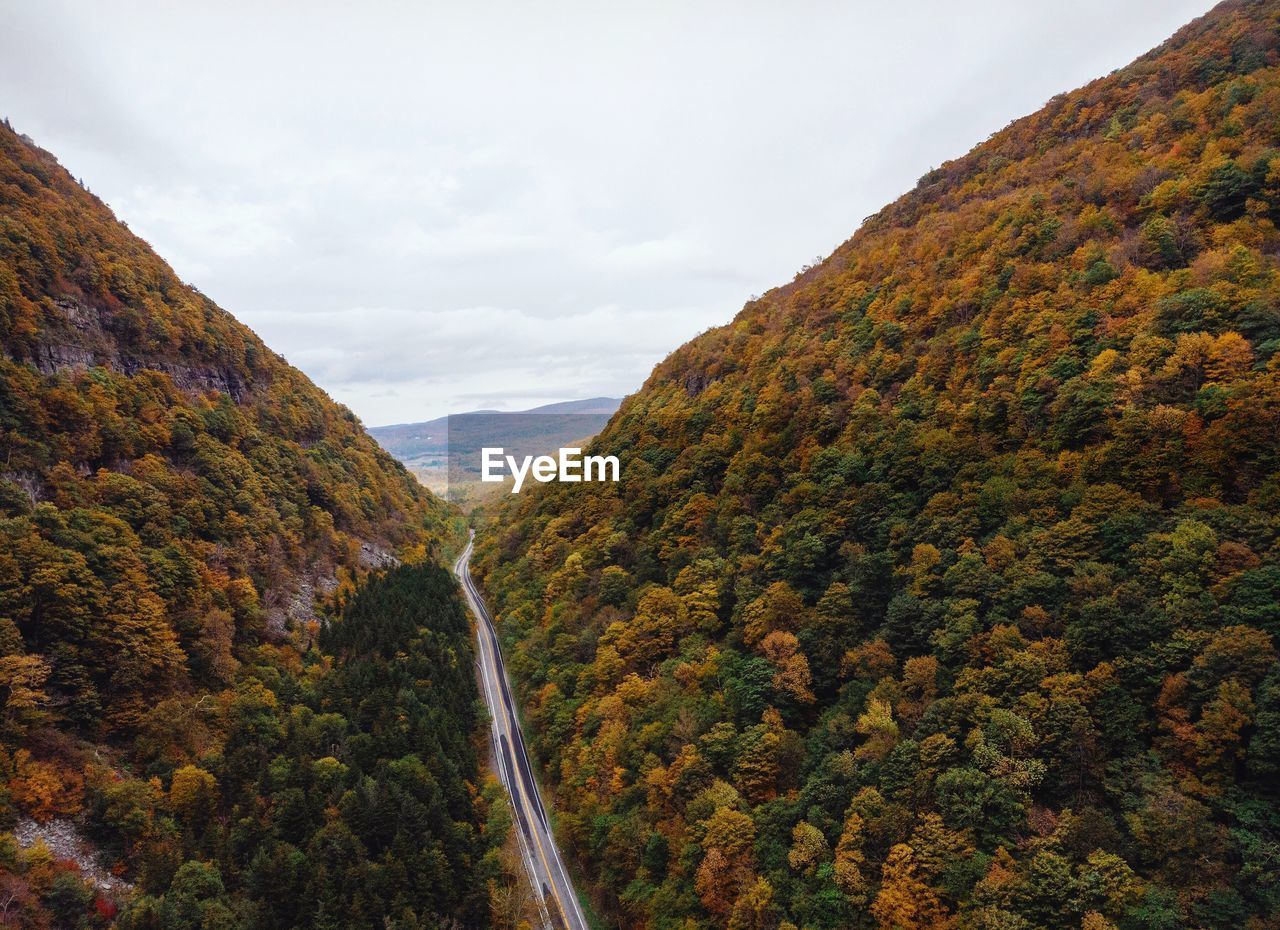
[904, 901]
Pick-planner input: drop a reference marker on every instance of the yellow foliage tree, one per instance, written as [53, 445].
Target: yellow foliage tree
[193, 795]
[905, 902]
[809, 848]
[876, 723]
[850, 859]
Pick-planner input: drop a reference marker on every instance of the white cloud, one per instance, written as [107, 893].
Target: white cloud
[432, 207]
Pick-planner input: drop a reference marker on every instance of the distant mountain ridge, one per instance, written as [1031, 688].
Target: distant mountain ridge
[411, 441]
[399, 438]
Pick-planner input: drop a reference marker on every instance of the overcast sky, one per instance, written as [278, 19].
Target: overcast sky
[434, 207]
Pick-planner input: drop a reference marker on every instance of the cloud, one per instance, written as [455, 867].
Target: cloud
[433, 207]
[362, 352]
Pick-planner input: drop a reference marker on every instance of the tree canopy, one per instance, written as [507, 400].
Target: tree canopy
[940, 587]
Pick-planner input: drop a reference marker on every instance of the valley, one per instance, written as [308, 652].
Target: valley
[937, 589]
[557, 899]
[446, 454]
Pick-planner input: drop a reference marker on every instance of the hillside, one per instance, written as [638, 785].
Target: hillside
[189, 643]
[941, 586]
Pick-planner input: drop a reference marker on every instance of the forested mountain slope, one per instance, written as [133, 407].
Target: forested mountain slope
[942, 587]
[179, 510]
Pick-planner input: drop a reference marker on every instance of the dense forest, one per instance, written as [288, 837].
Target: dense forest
[942, 585]
[344, 796]
[228, 671]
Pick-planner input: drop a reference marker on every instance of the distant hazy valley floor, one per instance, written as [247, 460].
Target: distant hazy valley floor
[445, 454]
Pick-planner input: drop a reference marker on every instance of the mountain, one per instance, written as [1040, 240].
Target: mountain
[941, 585]
[444, 453]
[607, 405]
[214, 714]
[409, 441]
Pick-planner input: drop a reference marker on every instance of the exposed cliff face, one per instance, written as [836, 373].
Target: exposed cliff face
[213, 663]
[76, 340]
[147, 435]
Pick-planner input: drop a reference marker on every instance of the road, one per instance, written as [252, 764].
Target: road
[557, 901]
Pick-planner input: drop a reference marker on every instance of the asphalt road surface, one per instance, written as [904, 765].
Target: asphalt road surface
[557, 902]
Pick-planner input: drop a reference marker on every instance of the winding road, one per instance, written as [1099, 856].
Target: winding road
[553, 890]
